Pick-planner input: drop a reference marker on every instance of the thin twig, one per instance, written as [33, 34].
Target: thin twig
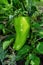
[10, 31]
[38, 39]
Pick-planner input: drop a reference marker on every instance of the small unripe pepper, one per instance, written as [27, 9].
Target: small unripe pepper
[22, 27]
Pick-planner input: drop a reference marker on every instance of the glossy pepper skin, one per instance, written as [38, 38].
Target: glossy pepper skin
[22, 27]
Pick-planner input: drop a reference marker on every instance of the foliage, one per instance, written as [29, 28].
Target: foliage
[33, 46]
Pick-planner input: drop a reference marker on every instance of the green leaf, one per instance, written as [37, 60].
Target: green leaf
[4, 2]
[2, 54]
[1, 26]
[8, 41]
[28, 4]
[34, 60]
[41, 33]
[16, 4]
[39, 48]
[41, 0]
[22, 52]
[5, 9]
[27, 60]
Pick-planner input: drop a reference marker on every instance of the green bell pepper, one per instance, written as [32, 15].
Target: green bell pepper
[22, 27]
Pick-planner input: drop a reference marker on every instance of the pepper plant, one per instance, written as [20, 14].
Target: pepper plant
[21, 32]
